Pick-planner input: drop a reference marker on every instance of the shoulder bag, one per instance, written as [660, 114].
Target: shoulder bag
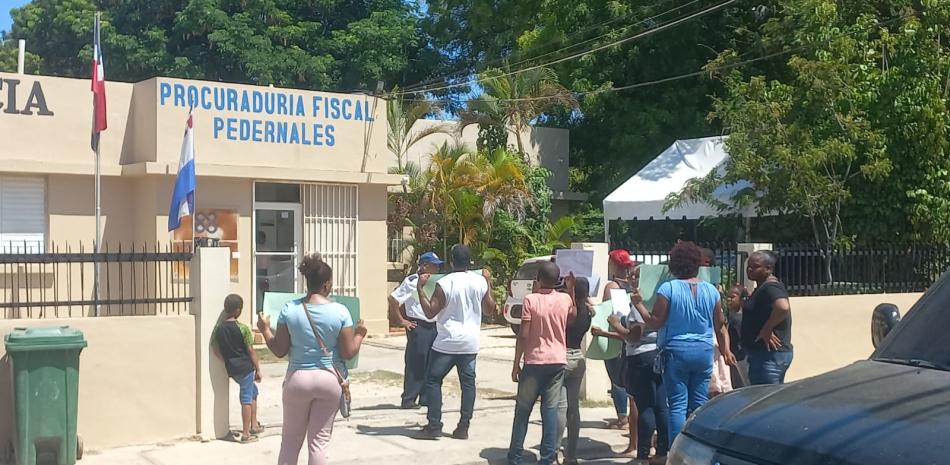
[345, 397]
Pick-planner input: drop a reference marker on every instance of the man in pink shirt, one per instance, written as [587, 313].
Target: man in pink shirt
[542, 343]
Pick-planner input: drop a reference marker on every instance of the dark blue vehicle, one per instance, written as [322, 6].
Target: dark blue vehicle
[892, 409]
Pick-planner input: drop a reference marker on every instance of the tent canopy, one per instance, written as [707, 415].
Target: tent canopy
[642, 196]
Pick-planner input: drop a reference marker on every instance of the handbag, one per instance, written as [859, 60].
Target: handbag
[345, 397]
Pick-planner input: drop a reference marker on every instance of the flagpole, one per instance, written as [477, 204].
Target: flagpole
[98, 234]
[194, 193]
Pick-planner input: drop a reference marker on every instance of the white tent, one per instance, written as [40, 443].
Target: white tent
[643, 196]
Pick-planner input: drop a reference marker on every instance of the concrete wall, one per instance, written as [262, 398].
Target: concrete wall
[136, 382]
[832, 332]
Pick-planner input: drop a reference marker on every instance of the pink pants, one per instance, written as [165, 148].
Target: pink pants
[311, 401]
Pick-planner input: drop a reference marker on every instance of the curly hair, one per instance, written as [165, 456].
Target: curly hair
[685, 259]
[316, 271]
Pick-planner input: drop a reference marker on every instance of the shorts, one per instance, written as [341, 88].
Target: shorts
[248, 393]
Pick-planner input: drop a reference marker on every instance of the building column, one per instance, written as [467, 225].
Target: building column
[210, 284]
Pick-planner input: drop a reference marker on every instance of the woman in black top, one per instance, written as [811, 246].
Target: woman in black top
[767, 322]
[569, 415]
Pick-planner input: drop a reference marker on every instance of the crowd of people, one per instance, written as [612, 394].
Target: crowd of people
[689, 347]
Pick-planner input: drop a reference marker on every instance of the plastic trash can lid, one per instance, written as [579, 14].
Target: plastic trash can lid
[60, 337]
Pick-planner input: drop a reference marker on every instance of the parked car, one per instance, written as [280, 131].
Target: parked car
[891, 409]
[519, 286]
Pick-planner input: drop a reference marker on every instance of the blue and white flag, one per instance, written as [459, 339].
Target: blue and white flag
[183, 197]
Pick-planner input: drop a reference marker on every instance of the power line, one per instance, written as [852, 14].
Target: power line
[701, 72]
[537, 46]
[645, 33]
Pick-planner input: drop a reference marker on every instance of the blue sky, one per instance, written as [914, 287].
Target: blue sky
[5, 7]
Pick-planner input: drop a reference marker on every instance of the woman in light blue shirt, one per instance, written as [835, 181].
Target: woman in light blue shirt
[319, 335]
[685, 313]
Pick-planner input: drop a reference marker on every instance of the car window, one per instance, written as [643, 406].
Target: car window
[528, 271]
[921, 337]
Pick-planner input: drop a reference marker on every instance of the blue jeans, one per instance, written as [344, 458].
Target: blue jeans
[418, 345]
[617, 392]
[439, 366]
[649, 393]
[768, 367]
[545, 380]
[687, 369]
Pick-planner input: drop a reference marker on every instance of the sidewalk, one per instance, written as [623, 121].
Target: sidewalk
[378, 431]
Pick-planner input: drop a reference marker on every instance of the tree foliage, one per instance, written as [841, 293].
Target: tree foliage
[323, 44]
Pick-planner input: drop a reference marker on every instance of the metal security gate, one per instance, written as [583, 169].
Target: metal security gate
[331, 216]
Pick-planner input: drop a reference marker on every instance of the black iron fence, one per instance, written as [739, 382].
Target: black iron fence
[871, 269]
[724, 255]
[60, 282]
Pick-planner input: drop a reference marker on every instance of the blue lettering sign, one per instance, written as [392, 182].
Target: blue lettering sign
[165, 91]
[256, 130]
[299, 110]
[220, 98]
[245, 102]
[245, 130]
[269, 103]
[179, 95]
[281, 132]
[269, 131]
[331, 141]
[358, 115]
[303, 135]
[335, 108]
[232, 128]
[232, 100]
[206, 97]
[257, 102]
[346, 109]
[218, 124]
[317, 134]
[192, 96]
[294, 134]
[282, 104]
[316, 105]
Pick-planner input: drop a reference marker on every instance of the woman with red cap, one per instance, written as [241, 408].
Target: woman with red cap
[620, 271]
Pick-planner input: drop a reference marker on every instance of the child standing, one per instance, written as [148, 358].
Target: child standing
[232, 341]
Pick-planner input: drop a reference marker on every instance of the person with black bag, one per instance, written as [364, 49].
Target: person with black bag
[319, 335]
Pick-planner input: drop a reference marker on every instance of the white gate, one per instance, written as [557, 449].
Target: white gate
[330, 215]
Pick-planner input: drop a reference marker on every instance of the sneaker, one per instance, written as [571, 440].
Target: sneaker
[430, 432]
[460, 433]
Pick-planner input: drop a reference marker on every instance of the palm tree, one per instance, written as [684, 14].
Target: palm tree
[514, 99]
[402, 117]
[501, 184]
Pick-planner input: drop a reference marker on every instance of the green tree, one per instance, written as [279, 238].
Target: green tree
[863, 95]
[328, 44]
[514, 100]
[402, 116]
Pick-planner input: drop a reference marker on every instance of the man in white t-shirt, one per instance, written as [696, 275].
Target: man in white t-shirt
[458, 302]
[420, 331]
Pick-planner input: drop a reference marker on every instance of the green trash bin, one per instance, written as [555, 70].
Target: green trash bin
[45, 364]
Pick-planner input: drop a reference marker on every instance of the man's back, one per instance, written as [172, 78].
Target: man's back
[546, 341]
[460, 321]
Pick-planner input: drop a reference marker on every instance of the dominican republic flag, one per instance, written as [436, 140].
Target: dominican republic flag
[183, 197]
[98, 88]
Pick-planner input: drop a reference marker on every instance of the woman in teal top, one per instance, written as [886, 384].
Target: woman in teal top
[685, 312]
[319, 335]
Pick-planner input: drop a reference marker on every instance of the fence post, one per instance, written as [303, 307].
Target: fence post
[596, 383]
[745, 249]
[210, 272]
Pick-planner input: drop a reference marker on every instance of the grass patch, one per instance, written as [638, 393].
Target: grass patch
[265, 355]
[588, 403]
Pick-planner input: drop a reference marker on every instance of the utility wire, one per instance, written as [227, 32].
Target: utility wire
[645, 33]
[497, 61]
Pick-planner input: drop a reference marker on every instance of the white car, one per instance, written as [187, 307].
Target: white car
[519, 286]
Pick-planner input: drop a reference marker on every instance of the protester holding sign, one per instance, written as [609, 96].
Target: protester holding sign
[620, 269]
[686, 313]
[319, 335]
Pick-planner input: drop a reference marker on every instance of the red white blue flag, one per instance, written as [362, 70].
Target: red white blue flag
[183, 196]
[99, 123]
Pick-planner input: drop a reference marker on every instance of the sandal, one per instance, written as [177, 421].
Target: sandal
[258, 430]
[247, 439]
